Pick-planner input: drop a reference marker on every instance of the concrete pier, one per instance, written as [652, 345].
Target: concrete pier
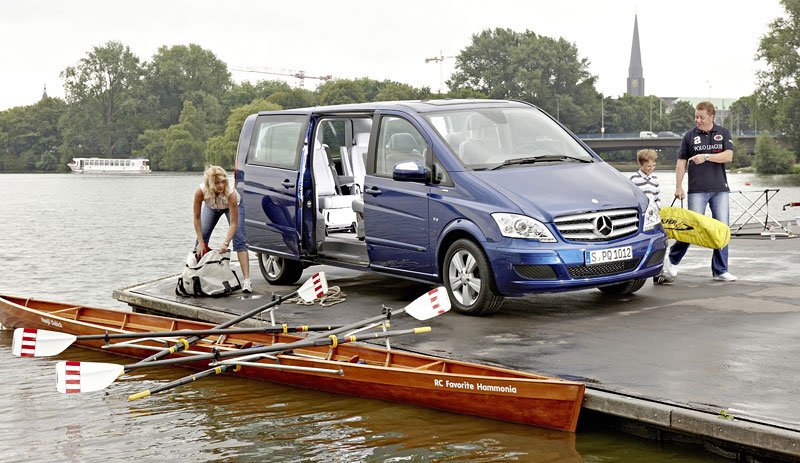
[698, 360]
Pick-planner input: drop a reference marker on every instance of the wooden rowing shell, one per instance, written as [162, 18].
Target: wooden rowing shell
[353, 369]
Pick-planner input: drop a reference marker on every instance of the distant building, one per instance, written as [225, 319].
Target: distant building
[635, 74]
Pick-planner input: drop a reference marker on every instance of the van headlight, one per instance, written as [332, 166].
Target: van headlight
[520, 226]
[651, 216]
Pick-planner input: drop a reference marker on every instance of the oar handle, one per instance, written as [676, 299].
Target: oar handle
[180, 382]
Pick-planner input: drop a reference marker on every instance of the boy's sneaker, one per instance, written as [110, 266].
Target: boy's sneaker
[663, 279]
[671, 269]
[725, 277]
[247, 287]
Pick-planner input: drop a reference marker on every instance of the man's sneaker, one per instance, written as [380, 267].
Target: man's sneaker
[247, 287]
[671, 269]
[663, 279]
[725, 277]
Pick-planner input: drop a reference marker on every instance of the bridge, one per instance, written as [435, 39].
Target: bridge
[629, 142]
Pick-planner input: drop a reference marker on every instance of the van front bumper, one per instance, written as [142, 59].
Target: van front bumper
[522, 267]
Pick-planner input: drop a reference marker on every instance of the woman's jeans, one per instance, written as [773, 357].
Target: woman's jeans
[209, 218]
[720, 210]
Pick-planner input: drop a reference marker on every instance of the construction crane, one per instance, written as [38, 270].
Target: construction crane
[283, 72]
[440, 59]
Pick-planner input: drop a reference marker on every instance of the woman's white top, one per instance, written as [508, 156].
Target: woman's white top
[218, 202]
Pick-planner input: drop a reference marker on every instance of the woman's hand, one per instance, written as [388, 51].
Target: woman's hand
[200, 249]
[223, 247]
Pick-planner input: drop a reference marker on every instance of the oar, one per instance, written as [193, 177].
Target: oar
[75, 377]
[32, 342]
[331, 340]
[314, 287]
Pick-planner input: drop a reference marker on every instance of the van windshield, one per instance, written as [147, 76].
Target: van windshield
[492, 137]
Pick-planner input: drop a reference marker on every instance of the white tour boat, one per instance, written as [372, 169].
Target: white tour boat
[110, 166]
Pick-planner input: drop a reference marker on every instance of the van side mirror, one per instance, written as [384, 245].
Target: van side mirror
[410, 171]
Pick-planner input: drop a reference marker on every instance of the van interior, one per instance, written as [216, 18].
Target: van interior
[338, 169]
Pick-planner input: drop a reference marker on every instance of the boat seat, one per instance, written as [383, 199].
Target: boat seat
[335, 207]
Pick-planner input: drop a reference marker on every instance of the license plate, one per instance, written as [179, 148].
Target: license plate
[602, 256]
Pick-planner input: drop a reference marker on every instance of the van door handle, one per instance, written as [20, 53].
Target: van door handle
[287, 184]
[374, 191]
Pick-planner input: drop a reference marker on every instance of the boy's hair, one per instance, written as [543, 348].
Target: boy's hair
[645, 155]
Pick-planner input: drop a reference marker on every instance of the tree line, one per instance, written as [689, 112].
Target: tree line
[182, 110]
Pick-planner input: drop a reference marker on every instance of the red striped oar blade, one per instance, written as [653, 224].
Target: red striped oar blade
[434, 302]
[77, 377]
[314, 288]
[32, 342]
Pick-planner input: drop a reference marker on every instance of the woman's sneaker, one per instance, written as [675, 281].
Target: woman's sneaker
[725, 277]
[247, 287]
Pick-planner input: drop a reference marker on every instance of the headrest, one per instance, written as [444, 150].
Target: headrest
[362, 139]
[477, 121]
[402, 142]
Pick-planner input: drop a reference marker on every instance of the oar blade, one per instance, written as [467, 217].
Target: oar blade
[32, 342]
[315, 287]
[431, 304]
[77, 377]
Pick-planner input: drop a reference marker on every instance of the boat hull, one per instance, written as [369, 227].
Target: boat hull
[352, 369]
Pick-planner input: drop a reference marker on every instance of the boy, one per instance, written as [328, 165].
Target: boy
[648, 183]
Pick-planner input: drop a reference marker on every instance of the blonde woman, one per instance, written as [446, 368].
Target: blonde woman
[212, 199]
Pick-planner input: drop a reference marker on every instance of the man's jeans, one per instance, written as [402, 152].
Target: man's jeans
[720, 210]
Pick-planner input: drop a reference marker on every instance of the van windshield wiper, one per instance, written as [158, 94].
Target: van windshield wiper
[535, 159]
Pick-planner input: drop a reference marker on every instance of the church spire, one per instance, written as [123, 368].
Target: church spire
[635, 74]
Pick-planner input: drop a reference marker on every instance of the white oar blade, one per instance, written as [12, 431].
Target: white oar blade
[77, 377]
[431, 304]
[32, 342]
[315, 287]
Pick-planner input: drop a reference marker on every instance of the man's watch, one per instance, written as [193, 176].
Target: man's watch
[706, 156]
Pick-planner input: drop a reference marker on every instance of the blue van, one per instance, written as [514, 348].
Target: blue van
[490, 198]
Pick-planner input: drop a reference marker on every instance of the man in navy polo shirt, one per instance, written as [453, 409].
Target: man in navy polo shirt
[704, 152]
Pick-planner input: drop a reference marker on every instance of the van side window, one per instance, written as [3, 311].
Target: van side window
[276, 141]
[398, 141]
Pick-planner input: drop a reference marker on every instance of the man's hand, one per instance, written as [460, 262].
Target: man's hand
[698, 158]
[679, 193]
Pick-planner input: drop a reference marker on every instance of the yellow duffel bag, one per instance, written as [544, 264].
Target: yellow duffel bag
[691, 227]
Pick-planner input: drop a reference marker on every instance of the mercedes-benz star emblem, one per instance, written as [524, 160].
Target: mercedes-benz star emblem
[603, 225]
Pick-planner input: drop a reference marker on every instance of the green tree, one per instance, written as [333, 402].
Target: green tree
[101, 95]
[188, 72]
[341, 92]
[681, 118]
[29, 137]
[771, 158]
[293, 98]
[779, 83]
[505, 64]
[184, 143]
[247, 92]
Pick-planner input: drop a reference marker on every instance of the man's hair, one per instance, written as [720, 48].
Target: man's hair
[706, 106]
[645, 155]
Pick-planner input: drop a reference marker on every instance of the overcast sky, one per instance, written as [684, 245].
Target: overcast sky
[689, 48]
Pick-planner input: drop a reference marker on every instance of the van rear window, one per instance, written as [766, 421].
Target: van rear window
[276, 141]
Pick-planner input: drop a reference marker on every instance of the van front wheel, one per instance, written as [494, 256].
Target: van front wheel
[469, 280]
[279, 271]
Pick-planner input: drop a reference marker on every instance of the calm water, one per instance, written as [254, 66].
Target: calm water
[76, 238]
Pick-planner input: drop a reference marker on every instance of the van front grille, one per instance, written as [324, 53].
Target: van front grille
[598, 226]
[610, 268]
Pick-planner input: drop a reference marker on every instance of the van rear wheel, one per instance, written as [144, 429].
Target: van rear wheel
[279, 271]
[626, 287]
[469, 280]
